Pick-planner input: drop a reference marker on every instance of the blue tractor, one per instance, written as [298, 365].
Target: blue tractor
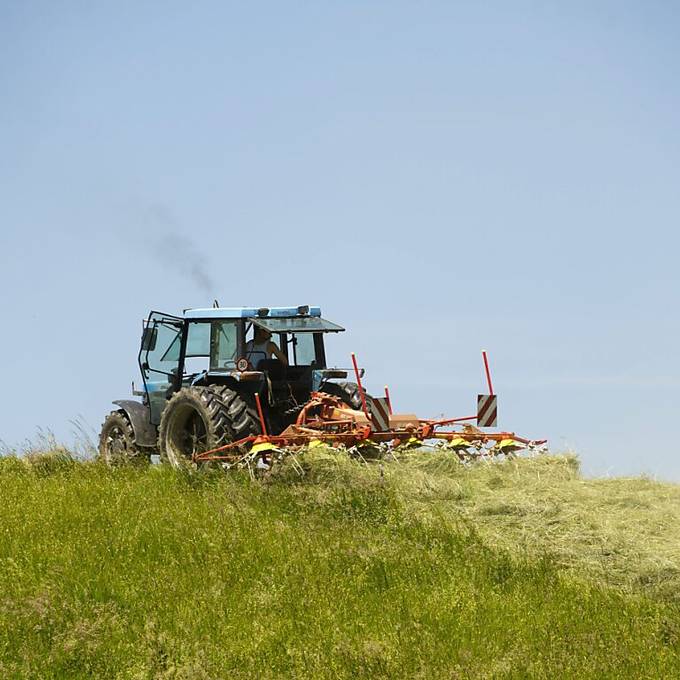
[201, 372]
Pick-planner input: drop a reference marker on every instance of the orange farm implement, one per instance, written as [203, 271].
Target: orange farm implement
[326, 419]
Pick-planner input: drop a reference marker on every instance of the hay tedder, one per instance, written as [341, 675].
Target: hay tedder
[242, 386]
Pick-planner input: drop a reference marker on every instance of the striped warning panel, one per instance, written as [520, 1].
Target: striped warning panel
[381, 414]
[487, 410]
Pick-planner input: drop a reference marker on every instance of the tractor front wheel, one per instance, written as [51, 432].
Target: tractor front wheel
[199, 419]
[117, 444]
[349, 393]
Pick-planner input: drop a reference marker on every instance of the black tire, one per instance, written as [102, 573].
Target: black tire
[117, 444]
[349, 393]
[203, 418]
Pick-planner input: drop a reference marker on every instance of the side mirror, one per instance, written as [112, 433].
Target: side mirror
[149, 337]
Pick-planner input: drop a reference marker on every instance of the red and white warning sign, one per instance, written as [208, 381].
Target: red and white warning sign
[487, 410]
[380, 411]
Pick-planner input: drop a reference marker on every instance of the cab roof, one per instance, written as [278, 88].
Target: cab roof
[251, 312]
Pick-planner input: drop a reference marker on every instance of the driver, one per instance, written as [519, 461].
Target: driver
[261, 347]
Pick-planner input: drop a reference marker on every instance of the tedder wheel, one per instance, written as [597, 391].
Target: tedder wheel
[199, 419]
[349, 393]
[117, 441]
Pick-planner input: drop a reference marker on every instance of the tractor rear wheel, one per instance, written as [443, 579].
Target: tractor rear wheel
[117, 444]
[349, 393]
[198, 419]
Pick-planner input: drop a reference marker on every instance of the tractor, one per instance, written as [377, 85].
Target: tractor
[208, 384]
[232, 384]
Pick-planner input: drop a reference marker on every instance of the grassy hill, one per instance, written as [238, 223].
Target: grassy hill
[423, 568]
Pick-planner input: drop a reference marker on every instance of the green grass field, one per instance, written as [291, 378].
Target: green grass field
[429, 570]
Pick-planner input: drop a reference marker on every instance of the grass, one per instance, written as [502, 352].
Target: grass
[428, 570]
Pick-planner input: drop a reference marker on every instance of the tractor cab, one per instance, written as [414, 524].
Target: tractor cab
[215, 346]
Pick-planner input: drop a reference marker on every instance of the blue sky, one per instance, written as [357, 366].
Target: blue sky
[440, 177]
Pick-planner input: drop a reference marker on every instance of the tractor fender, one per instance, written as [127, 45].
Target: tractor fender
[140, 418]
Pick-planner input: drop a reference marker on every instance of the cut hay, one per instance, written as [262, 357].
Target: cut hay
[624, 532]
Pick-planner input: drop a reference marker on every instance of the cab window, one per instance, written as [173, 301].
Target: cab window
[301, 349]
[223, 345]
[211, 345]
